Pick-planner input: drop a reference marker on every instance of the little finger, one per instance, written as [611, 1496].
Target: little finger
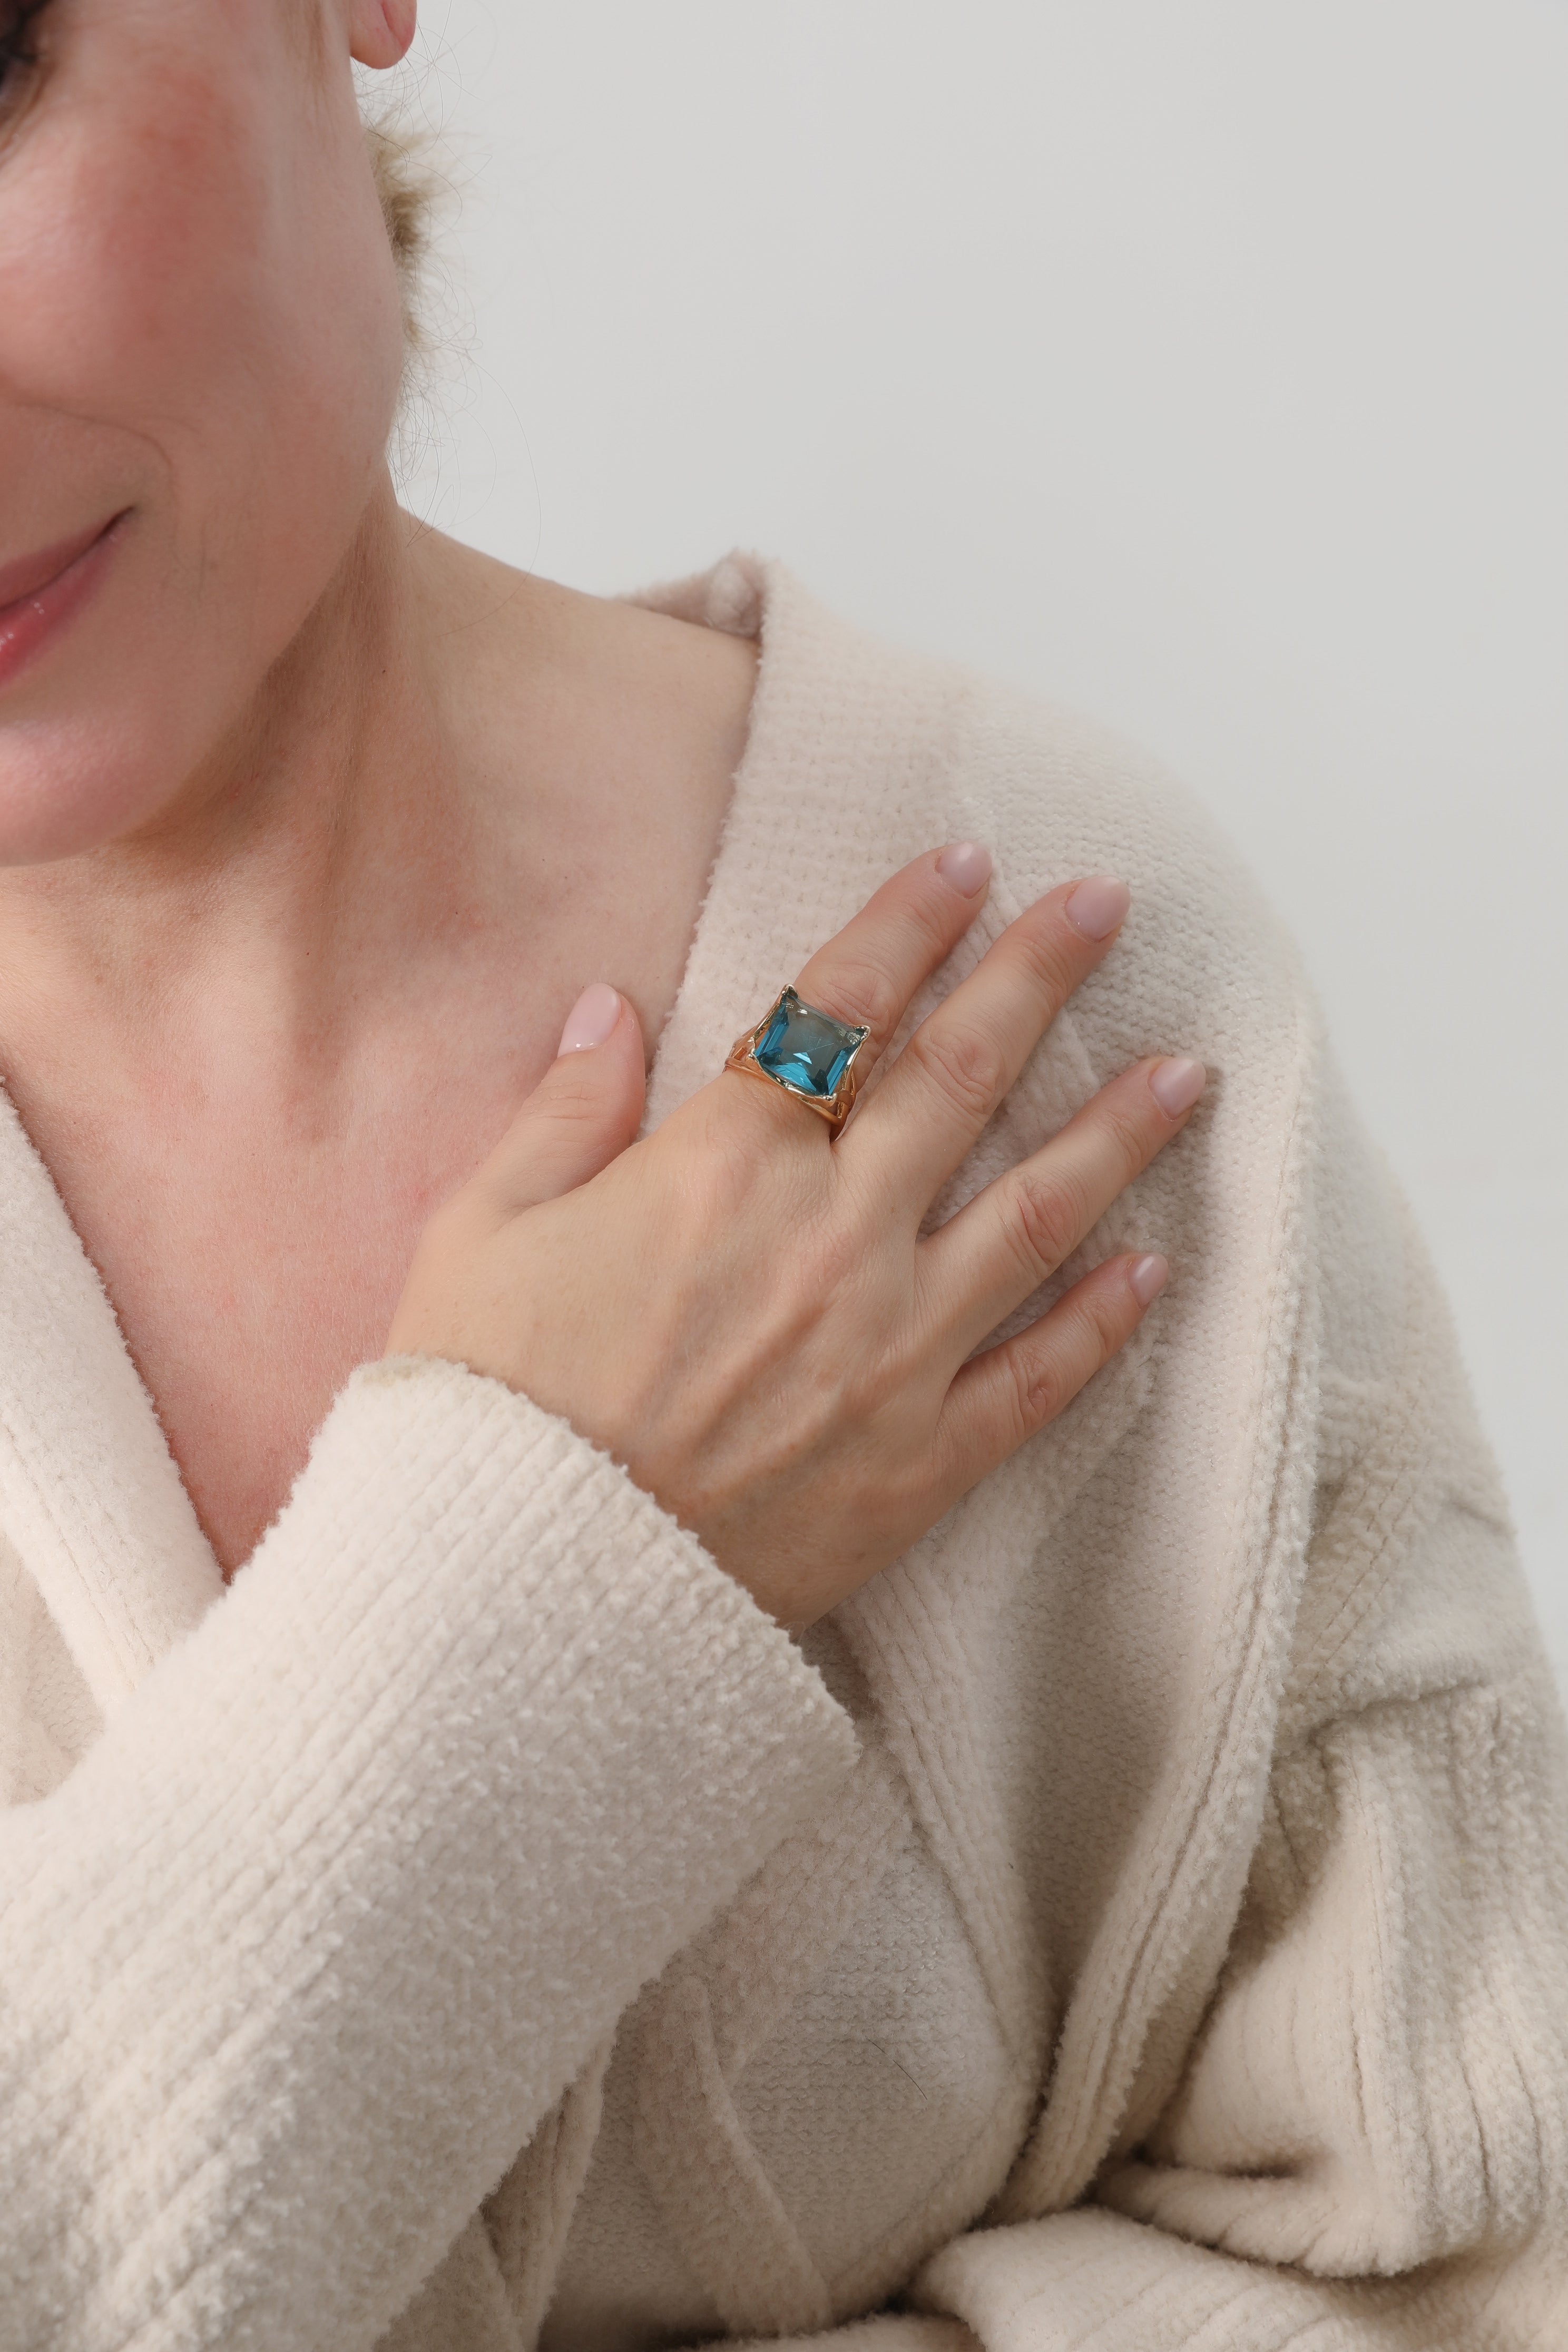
[1002, 1397]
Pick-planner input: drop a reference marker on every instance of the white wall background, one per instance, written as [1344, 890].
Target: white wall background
[1204, 362]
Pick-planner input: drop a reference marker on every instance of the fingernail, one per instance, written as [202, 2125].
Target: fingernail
[1148, 1278]
[966, 865]
[1176, 1085]
[591, 1019]
[1097, 905]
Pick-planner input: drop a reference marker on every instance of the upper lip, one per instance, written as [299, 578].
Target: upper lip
[24, 578]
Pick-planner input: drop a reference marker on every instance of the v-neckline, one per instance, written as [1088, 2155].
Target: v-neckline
[91, 1497]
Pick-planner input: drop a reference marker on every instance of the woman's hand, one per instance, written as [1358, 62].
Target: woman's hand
[739, 1308]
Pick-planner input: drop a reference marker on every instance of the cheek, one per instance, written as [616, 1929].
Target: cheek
[206, 285]
[199, 317]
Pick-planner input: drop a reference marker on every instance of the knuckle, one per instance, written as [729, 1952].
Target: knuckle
[1128, 1129]
[1045, 949]
[861, 990]
[571, 1099]
[743, 1185]
[1039, 1391]
[932, 914]
[859, 1396]
[1105, 1315]
[1047, 1222]
[964, 1064]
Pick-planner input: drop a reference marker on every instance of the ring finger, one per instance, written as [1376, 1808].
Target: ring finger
[1014, 1235]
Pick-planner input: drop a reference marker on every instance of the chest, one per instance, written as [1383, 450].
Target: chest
[248, 1290]
[253, 1216]
[254, 1229]
[253, 1261]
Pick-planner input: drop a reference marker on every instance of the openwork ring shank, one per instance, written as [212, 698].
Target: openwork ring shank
[805, 1052]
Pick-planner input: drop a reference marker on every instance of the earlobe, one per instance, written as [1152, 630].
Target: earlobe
[380, 31]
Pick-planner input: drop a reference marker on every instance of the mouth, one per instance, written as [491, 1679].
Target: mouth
[40, 593]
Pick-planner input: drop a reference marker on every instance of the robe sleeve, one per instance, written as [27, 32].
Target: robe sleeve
[297, 1956]
[1367, 2145]
[1366, 2151]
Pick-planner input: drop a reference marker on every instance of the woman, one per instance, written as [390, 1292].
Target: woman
[775, 1759]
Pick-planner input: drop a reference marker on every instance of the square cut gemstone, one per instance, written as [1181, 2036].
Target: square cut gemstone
[805, 1050]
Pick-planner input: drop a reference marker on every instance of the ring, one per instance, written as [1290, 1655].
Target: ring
[806, 1052]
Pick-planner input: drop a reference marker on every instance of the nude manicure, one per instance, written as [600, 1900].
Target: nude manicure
[1097, 905]
[966, 865]
[591, 1019]
[1177, 1083]
[1148, 1278]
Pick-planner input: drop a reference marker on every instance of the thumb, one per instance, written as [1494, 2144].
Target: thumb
[583, 1113]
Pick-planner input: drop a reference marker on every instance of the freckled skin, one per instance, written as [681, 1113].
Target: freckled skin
[312, 825]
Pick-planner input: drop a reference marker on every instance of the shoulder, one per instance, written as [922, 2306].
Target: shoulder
[514, 655]
[861, 754]
[1277, 1191]
[925, 748]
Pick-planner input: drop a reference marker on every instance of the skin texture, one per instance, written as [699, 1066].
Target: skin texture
[313, 825]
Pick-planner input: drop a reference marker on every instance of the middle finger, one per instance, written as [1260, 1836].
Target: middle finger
[929, 1110]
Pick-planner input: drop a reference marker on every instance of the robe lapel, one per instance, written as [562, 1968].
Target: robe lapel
[829, 801]
[90, 1496]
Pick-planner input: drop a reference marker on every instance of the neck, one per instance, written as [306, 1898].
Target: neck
[283, 883]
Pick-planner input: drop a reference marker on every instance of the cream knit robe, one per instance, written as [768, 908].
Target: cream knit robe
[1136, 1920]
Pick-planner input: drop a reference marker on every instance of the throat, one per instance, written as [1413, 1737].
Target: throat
[252, 1097]
[254, 1235]
[248, 1289]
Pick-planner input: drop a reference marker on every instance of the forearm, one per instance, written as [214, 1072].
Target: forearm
[299, 1954]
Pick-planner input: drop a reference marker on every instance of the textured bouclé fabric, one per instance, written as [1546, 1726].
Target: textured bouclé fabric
[1138, 1920]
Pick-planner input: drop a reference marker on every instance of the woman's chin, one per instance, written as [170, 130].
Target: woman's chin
[106, 732]
[74, 785]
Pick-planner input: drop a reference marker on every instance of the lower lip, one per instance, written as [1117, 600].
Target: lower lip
[35, 622]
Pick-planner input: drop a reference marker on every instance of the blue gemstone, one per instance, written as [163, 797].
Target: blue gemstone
[805, 1050]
